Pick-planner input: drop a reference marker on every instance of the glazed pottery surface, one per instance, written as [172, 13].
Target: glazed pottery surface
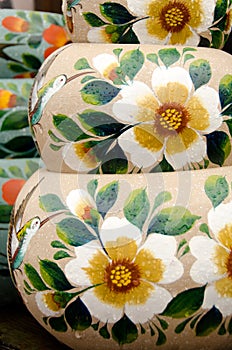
[199, 23]
[127, 261]
[132, 108]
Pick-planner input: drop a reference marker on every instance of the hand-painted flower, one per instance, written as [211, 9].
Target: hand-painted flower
[99, 35]
[126, 277]
[172, 21]
[15, 24]
[169, 120]
[56, 36]
[11, 189]
[106, 64]
[214, 260]
[80, 203]
[48, 302]
[7, 99]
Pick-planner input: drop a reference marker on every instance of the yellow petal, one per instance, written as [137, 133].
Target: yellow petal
[154, 28]
[199, 116]
[172, 92]
[147, 106]
[122, 248]
[151, 269]
[220, 259]
[181, 37]
[181, 142]
[225, 236]
[146, 137]
[196, 13]
[224, 287]
[96, 269]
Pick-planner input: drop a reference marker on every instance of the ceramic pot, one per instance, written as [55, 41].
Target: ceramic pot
[133, 260]
[206, 23]
[132, 108]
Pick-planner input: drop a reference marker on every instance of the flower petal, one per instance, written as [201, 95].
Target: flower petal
[149, 31]
[104, 312]
[138, 7]
[207, 13]
[212, 298]
[42, 299]
[98, 35]
[103, 62]
[219, 218]
[155, 304]
[78, 200]
[185, 37]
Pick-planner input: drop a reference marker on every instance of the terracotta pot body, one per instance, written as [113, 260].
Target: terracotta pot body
[206, 23]
[129, 108]
[143, 260]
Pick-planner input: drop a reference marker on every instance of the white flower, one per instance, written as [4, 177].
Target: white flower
[214, 260]
[126, 277]
[171, 119]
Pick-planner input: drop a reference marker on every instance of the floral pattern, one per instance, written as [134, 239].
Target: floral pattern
[174, 121]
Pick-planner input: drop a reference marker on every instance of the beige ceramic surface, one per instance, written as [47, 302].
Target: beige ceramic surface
[131, 108]
[199, 23]
[172, 234]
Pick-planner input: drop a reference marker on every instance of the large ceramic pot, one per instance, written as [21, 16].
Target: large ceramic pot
[133, 260]
[198, 23]
[132, 108]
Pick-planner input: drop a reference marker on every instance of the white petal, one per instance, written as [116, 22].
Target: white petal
[193, 39]
[74, 162]
[212, 298]
[140, 29]
[104, 60]
[74, 268]
[125, 111]
[43, 307]
[208, 7]
[113, 228]
[162, 76]
[202, 247]
[195, 153]
[77, 197]
[97, 35]
[140, 156]
[219, 217]
[155, 304]
[173, 271]
[204, 271]
[161, 246]
[138, 7]
[104, 312]
[210, 101]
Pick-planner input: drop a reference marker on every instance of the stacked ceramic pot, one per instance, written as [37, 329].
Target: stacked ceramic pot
[124, 238]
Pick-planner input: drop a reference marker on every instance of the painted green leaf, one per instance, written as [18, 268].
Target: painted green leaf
[153, 57]
[99, 123]
[169, 56]
[3, 173]
[217, 38]
[128, 36]
[172, 221]
[34, 41]
[162, 167]
[78, 316]
[73, 232]
[68, 128]
[131, 63]
[60, 255]
[34, 278]
[185, 303]
[228, 111]
[217, 189]
[205, 229]
[30, 168]
[117, 52]
[220, 9]
[218, 147]
[116, 13]
[58, 324]
[87, 78]
[162, 198]
[16, 171]
[36, 19]
[15, 120]
[161, 337]
[188, 57]
[230, 326]
[189, 49]
[53, 275]
[99, 92]
[106, 197]
[26, 89]
[181, 326]
[209, 322]
[51, 202]
[81, 64]
[115, 161]
[16, 67]
[92, 187]
[58, 244]
[200, 72]
[93, 20]
[124, 331]
[137, 207]
[225, 90]
[5, 213]
[31, 61]
[103, 331]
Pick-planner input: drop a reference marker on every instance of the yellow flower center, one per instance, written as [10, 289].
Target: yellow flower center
[49, 300]
[171, 117]
[229, 265]
[122, 276]
[174, 16]
[86, 154]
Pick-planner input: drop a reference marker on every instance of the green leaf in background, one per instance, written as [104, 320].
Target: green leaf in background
[124, 331]
[104, 333]
[3, 173]
[99, 123]
[185, 303]
[131, 63]
[51, 202]
[216, 189]
[225, 90]
[217, 38]
[169, 56]
[81, 64]
[68, 128]
[34, 41]
[34, 278]
[15, 120]
[99, 92]
[116, 13]
[78, 316]
[106, 197]
[172, 221]
[26, 89]
[92, 187]
[93, 20]
[53, 275]
[73, 232]
[16, 67]
[137, 207]
[5, 213]
[115, 161]
[218, 147]
[220, 9]
[209, 322]
[161, 198]
[200, 72]
[58, 324]
[31, 61]
[16, 171]
[36, 20]
[30, 168]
